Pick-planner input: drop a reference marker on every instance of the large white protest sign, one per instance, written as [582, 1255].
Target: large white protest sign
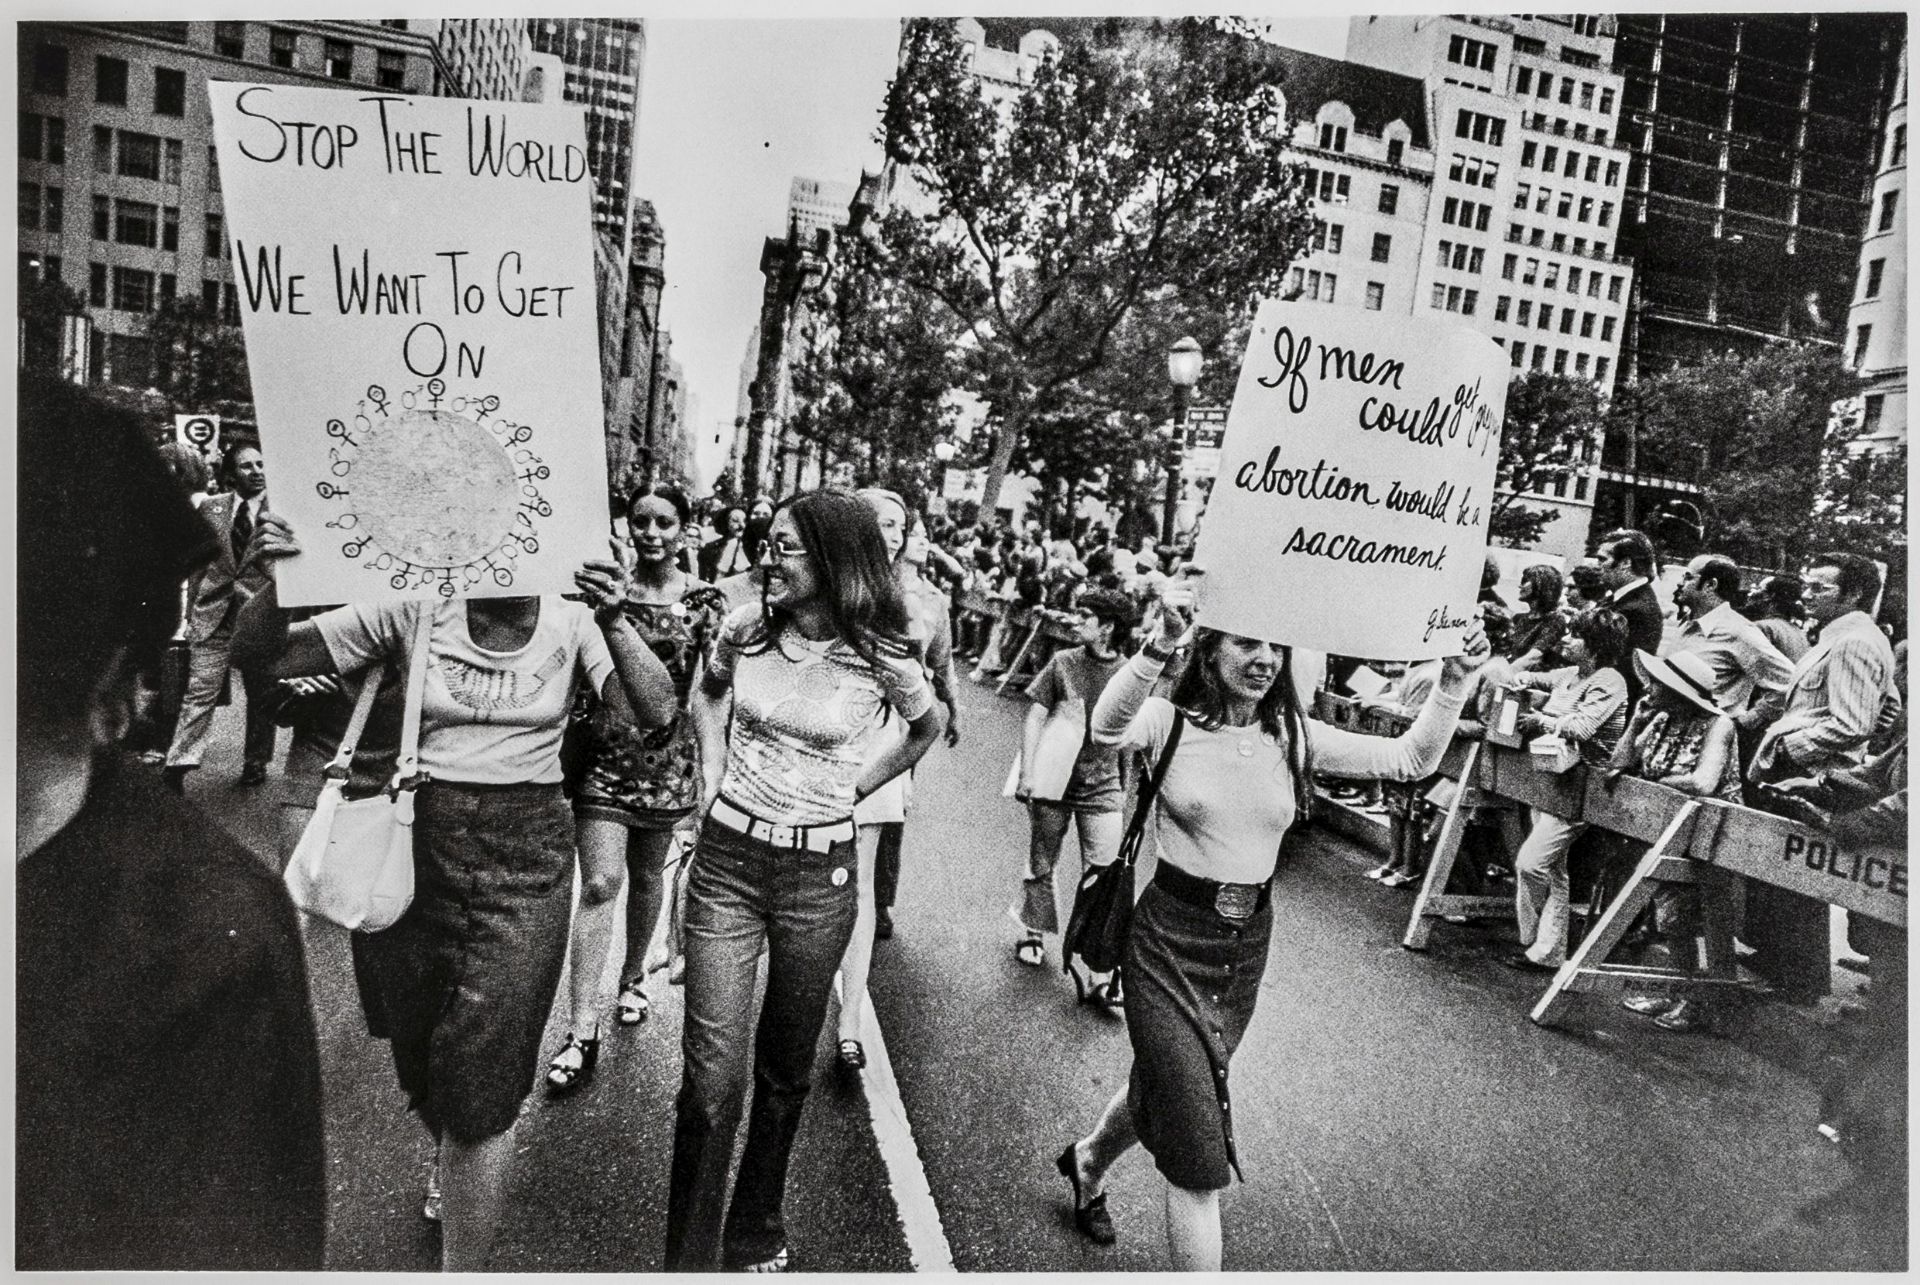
[416, 285]
[1350, 514]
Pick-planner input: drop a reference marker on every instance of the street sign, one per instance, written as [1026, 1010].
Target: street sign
[201, 432]
[1206, 426]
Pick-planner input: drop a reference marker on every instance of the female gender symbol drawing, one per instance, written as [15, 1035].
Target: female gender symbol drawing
[441, 491]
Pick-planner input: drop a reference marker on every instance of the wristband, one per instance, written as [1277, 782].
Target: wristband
[1155, 654]
[609, 615]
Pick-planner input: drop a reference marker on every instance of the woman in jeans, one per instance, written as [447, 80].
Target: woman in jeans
[637, 785]
[461, 984]
[1588, 707]
[787, 713]
[1241, 772]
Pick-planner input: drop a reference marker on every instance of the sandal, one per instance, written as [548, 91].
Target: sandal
[1108, 995]
[1091, 1218]
[1031, 952]
[852, 1056]
[564, 1074]
[632, 1007]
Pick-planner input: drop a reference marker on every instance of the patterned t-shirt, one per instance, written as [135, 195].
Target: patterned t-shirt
[486, 717]
[804, 712]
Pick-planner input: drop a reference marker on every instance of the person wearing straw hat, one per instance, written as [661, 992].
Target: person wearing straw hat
[1680, 739]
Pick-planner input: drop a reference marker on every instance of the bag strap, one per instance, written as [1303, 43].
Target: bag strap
[350, 739]
[407, 765]
[1150, 790]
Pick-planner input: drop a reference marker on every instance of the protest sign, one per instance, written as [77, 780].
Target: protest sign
[1350, 514]
[416, 286]
[201, 432]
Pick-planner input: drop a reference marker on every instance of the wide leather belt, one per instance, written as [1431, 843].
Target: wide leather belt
[1228, 900]
[814, 838]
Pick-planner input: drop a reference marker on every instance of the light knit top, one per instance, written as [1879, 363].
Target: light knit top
[1228, 795]
[805, 712]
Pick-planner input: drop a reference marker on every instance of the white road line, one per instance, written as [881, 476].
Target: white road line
[912, 1198]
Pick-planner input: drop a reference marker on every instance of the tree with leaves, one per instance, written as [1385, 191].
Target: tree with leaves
[199, 362]
[1551, 422]
[1144, 164]
[1760, 433]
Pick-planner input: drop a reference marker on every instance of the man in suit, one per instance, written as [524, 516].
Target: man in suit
[727, 555]
[214, 601]
[1628, 565]
[1836, 696]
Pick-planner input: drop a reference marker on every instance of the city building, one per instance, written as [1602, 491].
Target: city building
[603, 59]
[1523, 232]
[1877, 323]
[119, 189]
[1753, 142]
[814, 203]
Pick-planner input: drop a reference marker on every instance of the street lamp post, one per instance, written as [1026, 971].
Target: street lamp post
[943, 453]
[1184, 362]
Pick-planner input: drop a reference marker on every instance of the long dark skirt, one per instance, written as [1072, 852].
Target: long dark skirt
[461, 985]
[1193, 978]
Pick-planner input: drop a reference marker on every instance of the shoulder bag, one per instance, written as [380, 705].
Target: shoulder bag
[354, 863]
[1103, 903]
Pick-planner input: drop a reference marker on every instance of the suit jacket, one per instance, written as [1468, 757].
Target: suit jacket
[1644, 622]
[216, 595]
[1835, 698]
[168, 1090]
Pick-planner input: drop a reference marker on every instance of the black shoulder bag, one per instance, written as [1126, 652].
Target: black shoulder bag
[1103, 903]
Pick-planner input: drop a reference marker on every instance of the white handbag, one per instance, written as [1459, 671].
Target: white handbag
[354, 862]
[1055, 752]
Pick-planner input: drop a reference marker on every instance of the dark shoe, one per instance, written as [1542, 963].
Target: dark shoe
[852, 1056]
[564, 1074]
[254, 775]
[882, 924]
[1519, 962]
[176, 779]
[1091, 1218]
[1108, 995]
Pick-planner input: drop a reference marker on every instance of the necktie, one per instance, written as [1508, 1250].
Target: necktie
[242, 530]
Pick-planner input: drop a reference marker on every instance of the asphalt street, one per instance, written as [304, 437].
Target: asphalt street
[1396, 1111]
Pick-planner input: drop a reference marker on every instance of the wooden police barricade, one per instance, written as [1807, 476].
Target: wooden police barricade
[1695, 835]
[1043, 624]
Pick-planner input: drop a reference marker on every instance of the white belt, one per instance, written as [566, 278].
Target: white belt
[814, 838]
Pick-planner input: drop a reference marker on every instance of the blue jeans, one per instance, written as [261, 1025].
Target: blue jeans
[740, 893]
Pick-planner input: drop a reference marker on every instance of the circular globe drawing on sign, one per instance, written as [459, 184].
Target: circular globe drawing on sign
[435, 489]
[438, 491]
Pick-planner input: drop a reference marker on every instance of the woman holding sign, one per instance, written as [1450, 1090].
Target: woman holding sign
[1241, 774]
[461, 984]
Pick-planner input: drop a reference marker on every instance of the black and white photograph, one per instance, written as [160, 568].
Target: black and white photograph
[841, 640]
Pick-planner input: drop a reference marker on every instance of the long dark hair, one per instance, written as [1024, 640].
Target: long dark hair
[849, 559]
[1605, 632]
[1199, 692]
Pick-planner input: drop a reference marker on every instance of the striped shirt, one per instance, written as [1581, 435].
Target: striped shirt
[1834, 698]
[1590, 711]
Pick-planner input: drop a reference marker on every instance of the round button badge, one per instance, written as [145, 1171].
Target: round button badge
[839, 876]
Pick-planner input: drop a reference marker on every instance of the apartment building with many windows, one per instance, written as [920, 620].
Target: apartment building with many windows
[1877, 322]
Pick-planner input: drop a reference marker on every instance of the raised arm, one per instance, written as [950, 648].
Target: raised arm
[262, 636]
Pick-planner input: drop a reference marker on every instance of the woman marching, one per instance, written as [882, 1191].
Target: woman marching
[881, 817]
[637, 785]
[1090, 801]
[462, 983]
[1197, 951]
[786, 713]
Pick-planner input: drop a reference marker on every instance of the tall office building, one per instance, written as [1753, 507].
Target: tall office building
[814, 203]
[1754, 141]
[119, 189]
[1877, 325]
[603, 59]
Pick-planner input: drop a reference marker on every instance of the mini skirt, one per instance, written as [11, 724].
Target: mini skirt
[462, 983]
[1193, 978]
